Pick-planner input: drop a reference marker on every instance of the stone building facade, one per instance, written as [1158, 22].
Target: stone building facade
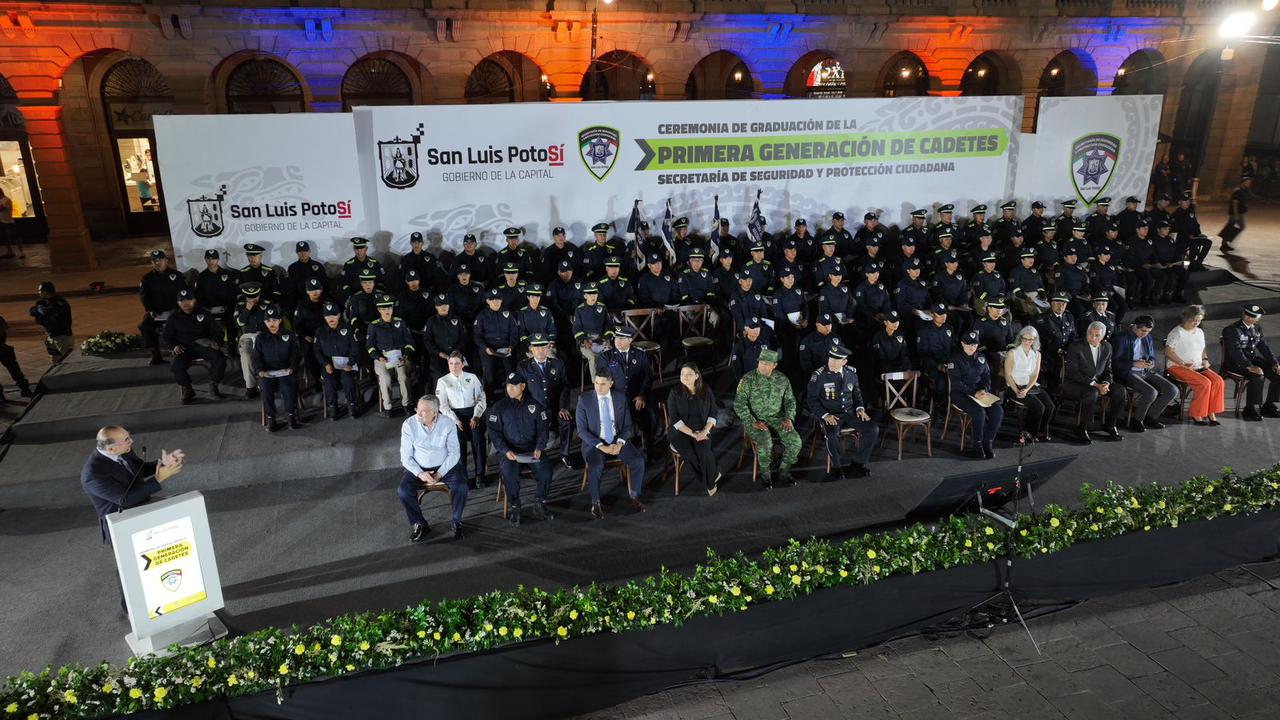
[80, 82]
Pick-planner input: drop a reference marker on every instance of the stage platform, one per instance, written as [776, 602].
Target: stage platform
[306, 523]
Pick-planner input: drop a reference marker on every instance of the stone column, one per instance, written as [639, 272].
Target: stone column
[69, 245]
[1232, 118]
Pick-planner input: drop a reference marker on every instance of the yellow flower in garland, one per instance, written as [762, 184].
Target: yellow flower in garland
[350, 667]
[1227, 507]
[792, 567]
[336, 640]
[1095, 527]
[160, 693]
[991, 546]
[488, 627]
[196, 682]
[364, 644]
[776, 570]
[1133, 503]
[422, 634]
[768, 589]
[518, 633]
[573, 614]
[135, 693]
[503, 631]
[1054, 522]
[33, 716]
[11, 708]
[232, 680]
[562, 631]
[819, 569]
[795, 579]
[252, 675]
[299, 649]
[871, 554]
[968, 543]
[1161, 505]
[988, 531]
[457, 637]
[713, 599]
[70, 697]
[212, 663]
[631, 615]
[875, 569]
[1208, 488]
[435, 636]
[283, 669]
[844, 573]
[108, 688]
[735, 591]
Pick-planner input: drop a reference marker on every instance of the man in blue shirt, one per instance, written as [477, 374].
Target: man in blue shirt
[1135, 367]
[429, 455]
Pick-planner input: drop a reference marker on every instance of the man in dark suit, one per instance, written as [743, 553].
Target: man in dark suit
[1089, 377]
[604, 425]
[116, 479]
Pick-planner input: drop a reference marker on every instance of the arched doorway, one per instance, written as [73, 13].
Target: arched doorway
[133, 92]
[374, 81]
[904, 76]
[1142, 73]
[618, 75]
[1196, 105]
[816, 75]
[264, 85]
[720, 76]
[991, 74]
[17, 176]
[1069, 73]
[507, 76]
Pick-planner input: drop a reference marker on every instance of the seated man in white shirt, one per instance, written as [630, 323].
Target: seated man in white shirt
[462, 401]
[604, 425]
[429, 454]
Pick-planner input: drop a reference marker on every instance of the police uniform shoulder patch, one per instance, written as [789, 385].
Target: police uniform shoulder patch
[173, 276]
[531, 408]
[898, 338]
[982, 360]
[453, 321]
[506, 313]
[342, 331]
[285, 337]
[396, 324]
[948, 332]
[199, 317]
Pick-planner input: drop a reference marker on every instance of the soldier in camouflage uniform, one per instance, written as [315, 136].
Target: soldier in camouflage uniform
[767, 407]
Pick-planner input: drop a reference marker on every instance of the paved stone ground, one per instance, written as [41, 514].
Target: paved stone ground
[1205, 649]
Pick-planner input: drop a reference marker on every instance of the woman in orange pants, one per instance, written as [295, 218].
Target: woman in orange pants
[1188, 362]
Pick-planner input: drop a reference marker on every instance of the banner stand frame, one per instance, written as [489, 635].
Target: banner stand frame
[190, 634]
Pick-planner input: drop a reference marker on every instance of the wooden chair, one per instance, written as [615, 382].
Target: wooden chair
[501, 495]
[903, 412]
[692, 324]
[424, 491]
[643, 322]
[965, 420]
[820, 434]
[676, 461]
[1240, 383]
[297, 398]
[622, 469]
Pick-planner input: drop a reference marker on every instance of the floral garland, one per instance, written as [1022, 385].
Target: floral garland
[109, 341]
[271, 659]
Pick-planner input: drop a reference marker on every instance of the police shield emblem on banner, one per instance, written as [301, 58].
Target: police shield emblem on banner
[398, 161]
[1093, 164]
[171, 580]
[205, 214]
[599, 148]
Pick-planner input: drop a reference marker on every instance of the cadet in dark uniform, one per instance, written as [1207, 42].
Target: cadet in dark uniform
[386, 338]
[696, 285]
[1024, 282]
[1248, 354]
[946, 223]
[746, 350]
[496, 337]
[1057, 330]
[1066, 222]
[1002, 228]
[511, 288]
[976, 227]
[970, 377]
[871, 300]
[535, 318]
[590, 326]
[1192, 243]
[1129, 218]
[480, 266]
[836, 301]
[337, 349]
[565, 293]
[362, 305]
[263, 274]
[815, 346]
[517, 427]
[558, 253]
[655, 289]
[1034, 224]
[414, 307]
[616, 292]
[1236, 209]
[548, 383]
[987, 284]
[911, 297]
[1139, 259]
[308, 316]
[747, 302]
[845, 246]
[935, 344]
[890, 345]
[1095, 226]
[1099, 313]
[276, 355]
[303, 270]
[724, 277]
[996, 333]
[917, 230]
[835, 399]
[216, 292]
[760, 270]
[515, 254]
[871, 233]
[807, 246]
[430, 274]
[1168, 259]
[631, 377]
[465, 297]
[791, 319]
[596, 252]
[1103, 278]
[354, 269]
[249, 315]
[444, 333]
[159, 294]
[950, 289]
[194, 334]
[1070, 278]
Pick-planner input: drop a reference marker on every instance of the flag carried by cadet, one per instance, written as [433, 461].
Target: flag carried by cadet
[755, 226]
[714, 242]
[633, 235]
[668, 234]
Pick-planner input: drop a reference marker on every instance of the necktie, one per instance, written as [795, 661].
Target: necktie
[542, 369]
[606, 419]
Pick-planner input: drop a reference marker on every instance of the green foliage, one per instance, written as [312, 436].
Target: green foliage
[109, 341]
[272, 659]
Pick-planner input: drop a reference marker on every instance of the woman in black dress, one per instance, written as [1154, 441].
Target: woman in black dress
[690, 419]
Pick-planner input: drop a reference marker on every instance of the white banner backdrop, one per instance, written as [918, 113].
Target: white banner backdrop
[1089, 147]
[265, 179]
[449, 170]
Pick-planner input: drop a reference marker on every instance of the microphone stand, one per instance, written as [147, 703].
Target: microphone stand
[133, 479]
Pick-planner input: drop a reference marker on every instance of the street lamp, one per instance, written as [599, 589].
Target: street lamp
[1236, 25]
[595, 34]
[1269, 5]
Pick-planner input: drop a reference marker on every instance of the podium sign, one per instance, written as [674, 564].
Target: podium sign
[165, 558]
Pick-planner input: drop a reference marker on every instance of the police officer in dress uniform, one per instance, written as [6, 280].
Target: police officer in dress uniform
[354, 269]
[548, 382]
[590, 326]
[1237, 207]
[1192, 243]
[336, 350]
[301, 271]
[564, 295]
[216, 292]
[1064, 223]
[308, 316]
[1004, 226]
[480, 267]
[558, 253]
[386, 338]
[950, 289]
[807, 245]
[970, 377]
[996, 332]
[1129, 218]
[1095, 226]
[515, 254]
[835, 399]
[633, 378]
[535, 318]
[517, 426]
[466, 296]
[430, 273]
[845, 246]
[935, 344]
[696, 285]
[496, 337]
[976, 227]
[414, 308]
[597, 251]
[746, 350]
[1034, 224]
[194, 334]
[616, 292]
[444, 333]
[1141, 280]
[1057, 330]
[1098, 312]
[511, 288]
[261, 273]
[1248, 354]
[158, 291]
[362, 305]
[249, 315]
[815, 346]
[746, 301]
[275, 359]
[890, 345]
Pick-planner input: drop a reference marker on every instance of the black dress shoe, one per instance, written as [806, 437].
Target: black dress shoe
[1135, 427]
[513, 515]
[785, 479]
[1215, 423]
[271, 425]
[215, 391]
[1083, 437]
[976, 453]
[987, 451]
[544, 512]
[457, 531]
[637, 505]
[156, 360]
[1113, 434]
[565, 462]
[597, 512]
[858, 470]
[293, 423]
[188, 395]
[24, 390]
[1153, 424]
[1201, 422]
[1270, 411]
[1251, 414]
[251, 393]
[333, 413]
[419, 532]
[353, 411]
